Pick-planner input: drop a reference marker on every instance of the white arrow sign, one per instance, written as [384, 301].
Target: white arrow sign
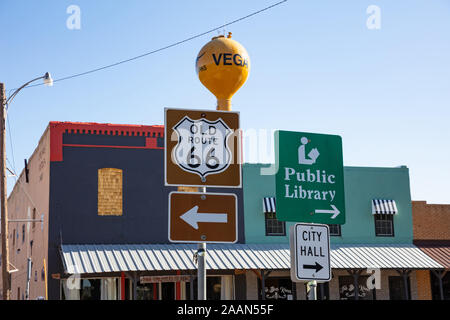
[335, 211]
[192, 217]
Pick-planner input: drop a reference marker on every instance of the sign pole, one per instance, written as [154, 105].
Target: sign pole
[201, 272]
[312, 290]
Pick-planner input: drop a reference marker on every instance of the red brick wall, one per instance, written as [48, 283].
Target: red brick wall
[431, 221]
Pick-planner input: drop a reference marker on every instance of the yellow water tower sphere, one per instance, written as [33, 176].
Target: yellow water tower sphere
[222, 66]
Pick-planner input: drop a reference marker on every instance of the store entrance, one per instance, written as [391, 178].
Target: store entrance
[213, 289]
[155, 291]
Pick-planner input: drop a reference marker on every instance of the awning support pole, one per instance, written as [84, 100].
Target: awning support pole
[134, 286]
[355, 275]
[191, 287]
[440, 275]
[322, 291]
[405, 275]
[263, 285]
[356, 284]
[294, 291]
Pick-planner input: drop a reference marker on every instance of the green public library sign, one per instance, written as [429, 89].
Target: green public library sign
[310, 178]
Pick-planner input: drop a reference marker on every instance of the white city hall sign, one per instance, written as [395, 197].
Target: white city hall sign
[310, 252]
[202, 146]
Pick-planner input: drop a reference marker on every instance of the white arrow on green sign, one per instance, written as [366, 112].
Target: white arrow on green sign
[310, 178]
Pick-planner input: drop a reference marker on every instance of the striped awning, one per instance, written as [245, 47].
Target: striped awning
[438, 252]
[91, 258]
[269, 204]
[383, 206]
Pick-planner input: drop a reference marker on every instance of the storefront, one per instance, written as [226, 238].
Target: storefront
[142, 272]
[239, 271]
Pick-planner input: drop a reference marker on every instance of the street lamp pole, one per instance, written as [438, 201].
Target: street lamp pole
[6, 276]
[4, 102]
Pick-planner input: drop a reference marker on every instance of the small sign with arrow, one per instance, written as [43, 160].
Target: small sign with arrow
[196, 217]
[310, 252]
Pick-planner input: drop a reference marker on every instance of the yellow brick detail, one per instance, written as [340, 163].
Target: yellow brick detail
[110, 184]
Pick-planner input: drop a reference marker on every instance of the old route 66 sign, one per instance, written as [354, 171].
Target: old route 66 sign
[202, 148]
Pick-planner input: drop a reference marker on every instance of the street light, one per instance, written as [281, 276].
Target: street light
[47, 79]
[4, 103]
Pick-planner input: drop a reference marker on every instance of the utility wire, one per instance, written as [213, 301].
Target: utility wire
[11, 143]
[135, 58]
[163, 48]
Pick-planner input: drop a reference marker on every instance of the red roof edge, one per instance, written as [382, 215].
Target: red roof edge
[57, 128]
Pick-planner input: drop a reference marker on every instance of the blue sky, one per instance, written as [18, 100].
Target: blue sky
[315, 67]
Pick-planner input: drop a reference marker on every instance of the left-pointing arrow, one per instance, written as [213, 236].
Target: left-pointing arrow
[192, 217]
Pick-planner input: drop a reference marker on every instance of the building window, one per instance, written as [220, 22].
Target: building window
[34, 218]
[335, 230]
[274, 227]
[214, 289]
[384, 225]
[322, 291]
[110, 185]
[435, 287]
[397, 288]
[276, 288]
[90, 289]
[23, 233]
[347, 288]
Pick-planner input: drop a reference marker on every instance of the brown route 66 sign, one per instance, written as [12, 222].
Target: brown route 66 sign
[202, 148]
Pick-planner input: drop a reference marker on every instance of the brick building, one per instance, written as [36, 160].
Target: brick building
[99, 190]
[100, 187]
[431, 232]
[372, 238]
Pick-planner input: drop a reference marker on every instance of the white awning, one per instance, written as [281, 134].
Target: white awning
[269, 204]
[383, 206]
[85, 259]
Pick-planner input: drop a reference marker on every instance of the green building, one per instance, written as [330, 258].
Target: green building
[373, 250]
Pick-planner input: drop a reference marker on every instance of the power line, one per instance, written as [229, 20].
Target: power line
[163, 48]
[11, 142]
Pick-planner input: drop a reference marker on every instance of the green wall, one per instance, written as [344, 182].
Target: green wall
[362, 184]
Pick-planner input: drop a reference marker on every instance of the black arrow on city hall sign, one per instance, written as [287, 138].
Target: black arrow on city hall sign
[317, 266]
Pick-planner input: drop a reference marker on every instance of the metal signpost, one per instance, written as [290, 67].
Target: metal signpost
[202, 148]
[310, 177]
